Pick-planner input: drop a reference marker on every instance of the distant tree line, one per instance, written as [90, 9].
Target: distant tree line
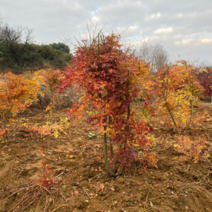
[18, 50]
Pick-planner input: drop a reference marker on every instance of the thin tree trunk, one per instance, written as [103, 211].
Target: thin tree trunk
[107, 165]
[111, 150]
[165, 93]
[192, 114]
[128, 117]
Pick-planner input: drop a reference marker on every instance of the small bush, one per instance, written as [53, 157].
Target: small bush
[47, 52]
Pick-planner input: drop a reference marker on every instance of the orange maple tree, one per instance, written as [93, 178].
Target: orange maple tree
[16, 94]
[178, 91]
[50, 79]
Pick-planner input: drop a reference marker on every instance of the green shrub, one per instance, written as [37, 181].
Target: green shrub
[32, 58]
[68, 58]
[47, 52]
[59, 62]
[33, 55]
[60, 46]
[3, 51]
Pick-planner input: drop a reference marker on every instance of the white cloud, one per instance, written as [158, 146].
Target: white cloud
[184, 42]
[163, 30]
[179, 15]
[206, 40]
[154, 16]
[95, 19]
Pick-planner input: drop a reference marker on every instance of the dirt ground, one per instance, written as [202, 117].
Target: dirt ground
[81, 183]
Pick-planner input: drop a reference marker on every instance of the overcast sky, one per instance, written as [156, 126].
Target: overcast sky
[183, 27]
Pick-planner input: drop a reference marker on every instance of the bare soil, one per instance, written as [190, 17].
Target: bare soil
[82, 183]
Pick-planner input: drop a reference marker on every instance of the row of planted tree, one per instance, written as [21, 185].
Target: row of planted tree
[119, 95]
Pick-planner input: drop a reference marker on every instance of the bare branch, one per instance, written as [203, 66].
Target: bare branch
[15, 39]
[155, 55]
